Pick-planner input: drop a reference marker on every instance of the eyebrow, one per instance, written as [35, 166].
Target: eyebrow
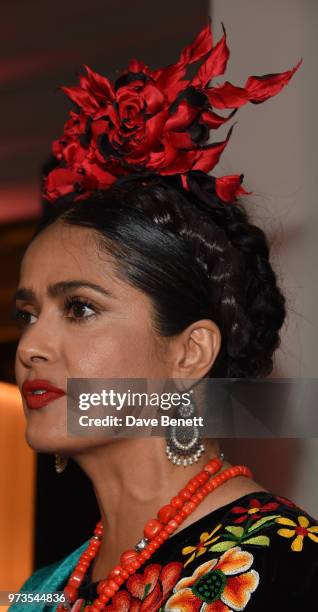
[60, 289]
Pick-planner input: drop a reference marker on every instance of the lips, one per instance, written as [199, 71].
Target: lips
[38, 393]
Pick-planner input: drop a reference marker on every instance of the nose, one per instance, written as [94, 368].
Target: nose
[39, 343]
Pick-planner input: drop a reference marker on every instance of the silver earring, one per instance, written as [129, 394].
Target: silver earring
[60, 463]
[184, 445]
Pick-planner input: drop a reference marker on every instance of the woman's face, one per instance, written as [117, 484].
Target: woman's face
[73, 330]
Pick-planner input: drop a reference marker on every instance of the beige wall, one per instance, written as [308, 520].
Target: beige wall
[275, 145]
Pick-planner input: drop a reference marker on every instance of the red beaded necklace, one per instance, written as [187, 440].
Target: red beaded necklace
[156, 531]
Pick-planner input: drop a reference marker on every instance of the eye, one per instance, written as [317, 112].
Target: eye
[23, 317]
[80, 308]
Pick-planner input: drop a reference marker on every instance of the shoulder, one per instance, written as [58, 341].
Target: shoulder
[260, 554]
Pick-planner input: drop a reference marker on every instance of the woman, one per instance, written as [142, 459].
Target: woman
[144, 266]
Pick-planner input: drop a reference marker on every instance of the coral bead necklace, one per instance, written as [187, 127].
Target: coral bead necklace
[156, 532]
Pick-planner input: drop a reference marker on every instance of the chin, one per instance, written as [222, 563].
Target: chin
[46, 440]
[42, 442]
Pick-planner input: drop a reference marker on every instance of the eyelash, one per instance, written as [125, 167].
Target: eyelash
[21, 316]
[71, 301]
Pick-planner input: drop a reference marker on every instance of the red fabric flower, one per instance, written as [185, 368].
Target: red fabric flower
[153, 120]
[254, 511]
[146, 592]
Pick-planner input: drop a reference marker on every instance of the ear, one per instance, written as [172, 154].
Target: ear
[195, 349]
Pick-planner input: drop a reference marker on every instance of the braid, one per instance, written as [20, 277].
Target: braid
[263, 305]
[244, 299]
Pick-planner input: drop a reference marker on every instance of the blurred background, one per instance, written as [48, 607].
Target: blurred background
[43, 45]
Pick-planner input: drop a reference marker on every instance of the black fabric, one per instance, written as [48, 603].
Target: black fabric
[284, 576]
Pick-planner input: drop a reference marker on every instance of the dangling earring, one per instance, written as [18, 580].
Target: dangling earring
[184, 445]
[60, 463]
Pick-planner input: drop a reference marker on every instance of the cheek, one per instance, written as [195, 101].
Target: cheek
[121, 353]
[20, 372]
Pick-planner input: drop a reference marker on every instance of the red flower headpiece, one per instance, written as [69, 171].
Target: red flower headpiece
[153, 121]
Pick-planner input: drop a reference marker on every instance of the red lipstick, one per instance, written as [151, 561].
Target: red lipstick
[39, 393]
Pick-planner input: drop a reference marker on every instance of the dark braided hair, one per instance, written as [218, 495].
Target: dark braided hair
[195, 257]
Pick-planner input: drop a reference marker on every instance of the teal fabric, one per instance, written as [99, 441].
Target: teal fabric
[50, 578]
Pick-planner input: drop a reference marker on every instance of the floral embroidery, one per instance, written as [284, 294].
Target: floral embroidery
[147, 591]
[249, 534]
[285, 502]
[226, 582]
[123, 602]
[299, 530]
[254, 510]
[219, 585]
[205, 540]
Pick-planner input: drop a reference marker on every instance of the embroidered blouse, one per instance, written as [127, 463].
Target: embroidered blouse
[257, 553]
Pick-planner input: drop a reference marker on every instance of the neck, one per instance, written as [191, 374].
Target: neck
[132, 479]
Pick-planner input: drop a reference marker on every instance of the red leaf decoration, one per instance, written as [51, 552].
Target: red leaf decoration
[215, 65]
[82, 98]
[171, 78]
[171, 81]
[137, 66]
[229, 187]
[227, 96]
[213, 120]
[256, 90]
[98, 83]
[182, 118]
[209, 156]
[261, 88]
[202, 45]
